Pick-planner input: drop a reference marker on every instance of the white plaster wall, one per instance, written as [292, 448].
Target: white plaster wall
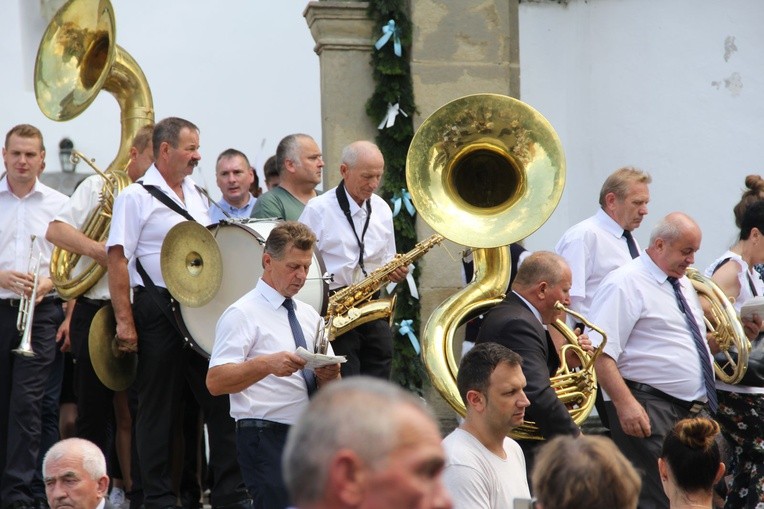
[244, 71]
[649, 83]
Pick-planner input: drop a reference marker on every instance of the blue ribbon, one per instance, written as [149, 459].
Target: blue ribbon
[404, 198]
[404, 329]
[390, 30]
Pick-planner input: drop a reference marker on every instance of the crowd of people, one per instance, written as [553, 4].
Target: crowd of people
[283, 432]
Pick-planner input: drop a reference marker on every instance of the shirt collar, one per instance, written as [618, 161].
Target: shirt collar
[354, 207]
[38, 187]
[655, 271]
[531, 307]
[274, 298]
[609, 224]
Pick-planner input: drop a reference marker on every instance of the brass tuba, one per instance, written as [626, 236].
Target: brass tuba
[725, 328]
[77, 58]
[484, 171]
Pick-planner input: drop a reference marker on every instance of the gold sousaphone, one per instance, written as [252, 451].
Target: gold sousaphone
[77, 58]
[484, 171]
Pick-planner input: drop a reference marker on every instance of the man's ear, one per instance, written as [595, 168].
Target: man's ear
[103, 485]
[343, 170]
[476, 400]
[347, 478]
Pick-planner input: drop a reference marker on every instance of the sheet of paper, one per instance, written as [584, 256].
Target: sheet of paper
[316, 360]
[751, 307]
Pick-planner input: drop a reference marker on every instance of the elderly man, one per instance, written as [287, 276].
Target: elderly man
[255, 361]
[74, 472]
[355, 234]
[299, 163]
[27, 207]
[143, 214]
[518, 323]
[485, 468]
[656, 367]
[365, 443]
[234, 176]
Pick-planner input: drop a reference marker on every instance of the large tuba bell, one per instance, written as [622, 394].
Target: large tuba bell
[484, 171]
[725, 328]
[77, 58]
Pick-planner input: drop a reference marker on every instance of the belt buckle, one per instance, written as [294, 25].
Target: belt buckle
[696, 407]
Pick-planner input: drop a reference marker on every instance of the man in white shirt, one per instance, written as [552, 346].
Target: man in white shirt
[365, 443]
[484, 467]
[143, 214]
[656, 367]
[300, 164]
[234, 176]
[600, 244]
[27, 207]
[74, 471]
[355, 235]
[254, 361]
[94, 422]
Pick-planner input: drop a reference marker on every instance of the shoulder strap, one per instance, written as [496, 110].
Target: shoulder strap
[720, 265]
[166, 200]
[342, 199]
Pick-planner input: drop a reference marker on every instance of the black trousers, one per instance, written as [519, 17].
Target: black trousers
[260, 453]
[163, 365]
[368, 348]
[644, 452]
[95, 401]
[23, 381]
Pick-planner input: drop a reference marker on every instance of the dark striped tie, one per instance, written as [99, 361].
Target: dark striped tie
[299, 340]
[633, 251]
[700, 345]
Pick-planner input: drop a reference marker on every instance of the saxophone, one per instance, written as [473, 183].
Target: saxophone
[352, 306]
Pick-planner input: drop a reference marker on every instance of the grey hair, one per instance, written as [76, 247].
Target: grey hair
[352, 152]
[289, 148]
[356, 413]
[93, 461]
[672, 227]
[168, 130]
[540, 266]
[618, 182]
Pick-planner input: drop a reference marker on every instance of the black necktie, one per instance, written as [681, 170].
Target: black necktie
[700, 345]
[299, 340]
[633, 251]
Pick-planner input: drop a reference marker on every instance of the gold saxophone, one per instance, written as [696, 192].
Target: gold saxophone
[78, 58]
[576, 388]
[352, 306]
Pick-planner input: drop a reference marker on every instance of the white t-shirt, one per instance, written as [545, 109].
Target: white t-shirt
[478, 479]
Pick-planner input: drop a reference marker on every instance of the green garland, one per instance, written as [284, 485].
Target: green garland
[392, 75]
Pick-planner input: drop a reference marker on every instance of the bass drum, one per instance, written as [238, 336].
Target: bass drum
[241, 246]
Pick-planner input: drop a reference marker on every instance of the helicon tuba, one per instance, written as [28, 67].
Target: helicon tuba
[725, 328]
[484, 171]
[77, 57]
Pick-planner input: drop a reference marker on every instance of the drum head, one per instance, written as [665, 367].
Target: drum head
[241, 247]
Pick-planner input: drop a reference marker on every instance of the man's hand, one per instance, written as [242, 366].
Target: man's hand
[399, 274]
[127, 337]
[283, 363]
[583, 341]
[328, 373]
[633, 417]
[19, 283]
[752, 326]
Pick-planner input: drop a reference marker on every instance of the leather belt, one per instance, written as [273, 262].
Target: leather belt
[14, 303]
[693, 407]
[261, 424]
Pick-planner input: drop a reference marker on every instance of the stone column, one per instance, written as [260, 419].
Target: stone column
[460, 47]
[344, 41]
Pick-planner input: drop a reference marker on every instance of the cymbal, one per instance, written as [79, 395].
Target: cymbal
[192, 266]
[115, 369]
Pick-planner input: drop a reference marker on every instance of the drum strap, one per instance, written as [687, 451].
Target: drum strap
[345, 206]
[147, 282]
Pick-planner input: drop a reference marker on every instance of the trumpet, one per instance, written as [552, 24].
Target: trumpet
[25, 317]
[324, 334]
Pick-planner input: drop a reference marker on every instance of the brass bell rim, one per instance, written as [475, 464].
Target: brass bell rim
[54, 64]
[509, 135]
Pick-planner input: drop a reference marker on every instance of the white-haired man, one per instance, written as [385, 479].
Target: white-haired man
[74, 471]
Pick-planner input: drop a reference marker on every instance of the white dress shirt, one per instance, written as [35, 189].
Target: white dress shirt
[76, 211]
[258, 324]
[336, 242]
[744, 272]
[593, 248]
[647, 334]
[20, 218]
[140, 222]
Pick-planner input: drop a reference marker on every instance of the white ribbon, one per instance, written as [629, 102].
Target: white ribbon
[392, 112]
[410, 280]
